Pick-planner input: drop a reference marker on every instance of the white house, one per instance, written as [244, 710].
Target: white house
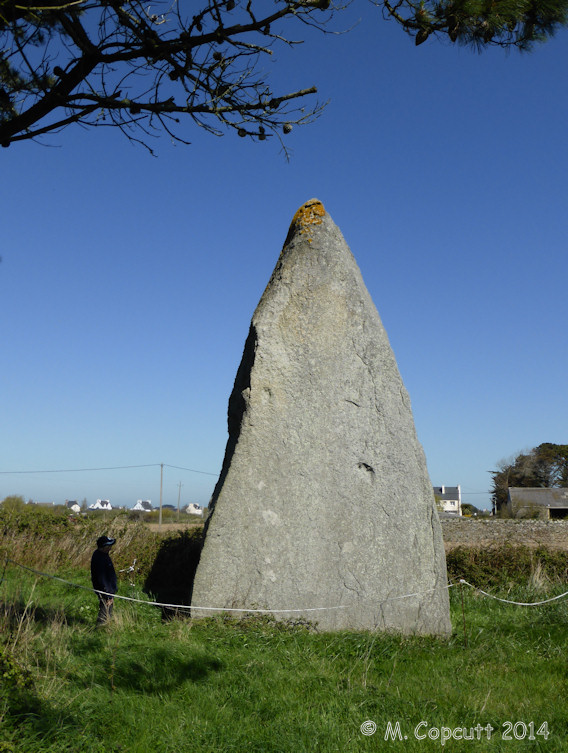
[101, 504]
[72, 505]
[193, 509]
[450, 498]
[143, 505]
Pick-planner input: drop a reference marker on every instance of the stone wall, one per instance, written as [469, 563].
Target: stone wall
[479, 532]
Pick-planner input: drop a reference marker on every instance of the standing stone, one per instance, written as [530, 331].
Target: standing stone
[324, 500]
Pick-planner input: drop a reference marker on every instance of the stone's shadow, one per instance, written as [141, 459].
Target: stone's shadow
[170, 581]
[165, 674]
[17, 611]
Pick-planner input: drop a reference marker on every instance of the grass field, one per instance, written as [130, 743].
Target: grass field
[254, 685]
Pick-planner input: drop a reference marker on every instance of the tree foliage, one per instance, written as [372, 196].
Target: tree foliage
[13, 503]
[469, 509]
[479, 23]
[147, 66]
[543, 466]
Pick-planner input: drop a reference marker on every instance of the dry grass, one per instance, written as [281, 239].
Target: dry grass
[55, 544]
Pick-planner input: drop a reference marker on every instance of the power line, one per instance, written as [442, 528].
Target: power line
[108, 468]
[81, 470]
[191, 470]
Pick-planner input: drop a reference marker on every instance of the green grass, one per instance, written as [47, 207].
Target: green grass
[255, 685]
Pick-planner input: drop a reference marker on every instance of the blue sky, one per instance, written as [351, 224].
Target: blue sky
[128, 282]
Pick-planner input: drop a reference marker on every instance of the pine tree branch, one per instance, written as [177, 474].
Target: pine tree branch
[212, 61]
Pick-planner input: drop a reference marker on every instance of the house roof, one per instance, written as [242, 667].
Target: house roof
[539, 496]
[101, 504]
[447, 492]
[143, 504]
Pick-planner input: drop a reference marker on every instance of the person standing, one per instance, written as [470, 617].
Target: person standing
[103, 578]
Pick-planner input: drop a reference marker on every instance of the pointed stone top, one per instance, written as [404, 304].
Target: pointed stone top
[309, 214]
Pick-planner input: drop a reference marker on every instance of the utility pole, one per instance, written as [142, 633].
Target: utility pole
[161, 486]
[179, 493]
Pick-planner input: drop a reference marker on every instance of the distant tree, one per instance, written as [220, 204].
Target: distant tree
[543, 466]
[469, 509]
[552, 464]
[144, 67]
[439, 503]
[13, 503]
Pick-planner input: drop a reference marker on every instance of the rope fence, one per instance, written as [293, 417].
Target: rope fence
[516, 603]
[211, 609]
[188, 607]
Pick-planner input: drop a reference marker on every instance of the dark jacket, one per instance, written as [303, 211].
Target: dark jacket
[103, 575]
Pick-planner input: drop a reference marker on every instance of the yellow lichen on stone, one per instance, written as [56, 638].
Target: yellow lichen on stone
[306, 218]
[308, 214]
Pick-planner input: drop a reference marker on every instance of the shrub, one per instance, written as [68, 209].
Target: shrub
[16, 684]
[13, 503]
[506, 564]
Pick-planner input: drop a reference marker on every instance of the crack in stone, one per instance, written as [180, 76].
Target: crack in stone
[370, 371]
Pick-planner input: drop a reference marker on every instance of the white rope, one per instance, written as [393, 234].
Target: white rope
[417, 593]
[279, 611]
[219, 609]
[128, 569]
[517, 603]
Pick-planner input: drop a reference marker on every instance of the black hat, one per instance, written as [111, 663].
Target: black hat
[105, 541]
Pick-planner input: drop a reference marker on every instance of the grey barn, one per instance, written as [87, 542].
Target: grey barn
[537, 502]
